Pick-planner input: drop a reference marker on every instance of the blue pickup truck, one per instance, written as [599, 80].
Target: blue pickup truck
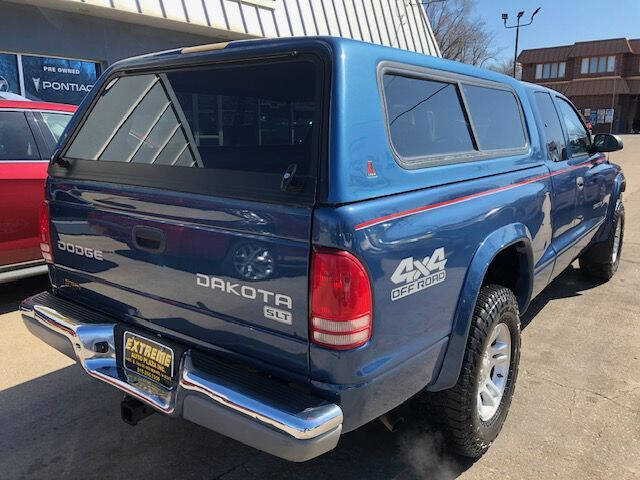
[282, 240]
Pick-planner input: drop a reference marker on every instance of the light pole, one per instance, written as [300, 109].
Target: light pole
[517, 26]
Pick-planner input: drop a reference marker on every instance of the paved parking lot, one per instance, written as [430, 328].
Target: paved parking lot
[575, 414]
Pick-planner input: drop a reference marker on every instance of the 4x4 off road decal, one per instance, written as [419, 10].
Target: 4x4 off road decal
[415, 275]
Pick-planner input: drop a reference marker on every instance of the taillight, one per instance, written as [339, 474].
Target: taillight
[340, 301]
[45, 236]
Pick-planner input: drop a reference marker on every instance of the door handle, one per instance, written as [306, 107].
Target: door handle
[149, 239]
[580, 183]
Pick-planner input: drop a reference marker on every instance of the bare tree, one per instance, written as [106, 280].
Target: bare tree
[504, 66]
[460, 35]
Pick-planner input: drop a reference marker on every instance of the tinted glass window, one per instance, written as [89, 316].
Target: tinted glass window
[56, 123]
[245, 133]
[578, 137]
[425, 117]
[552, 128]
[16, 139]
[496, 117]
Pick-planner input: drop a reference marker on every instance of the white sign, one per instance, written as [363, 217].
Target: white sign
[608, 115]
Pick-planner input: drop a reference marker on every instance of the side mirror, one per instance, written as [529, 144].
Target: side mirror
[605, 142]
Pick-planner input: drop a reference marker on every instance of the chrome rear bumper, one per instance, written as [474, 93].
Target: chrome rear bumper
[260, 412]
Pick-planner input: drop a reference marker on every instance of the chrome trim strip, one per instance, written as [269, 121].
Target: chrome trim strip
[24, 272]
[22, 162]
[307, 424]
[11, 109]
[19, 265]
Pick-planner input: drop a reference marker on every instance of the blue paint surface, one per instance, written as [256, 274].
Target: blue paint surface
[524, 200]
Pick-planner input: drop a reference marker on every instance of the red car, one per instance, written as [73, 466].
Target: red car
[29, 132]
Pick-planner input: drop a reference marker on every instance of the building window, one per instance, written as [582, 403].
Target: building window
[598, 64]
[584, 69]
[561, 68]
[9, 78]
[602, 64]
[550, 70]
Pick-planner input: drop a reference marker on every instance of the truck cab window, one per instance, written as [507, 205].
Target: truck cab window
[578, 136]
[554, 137]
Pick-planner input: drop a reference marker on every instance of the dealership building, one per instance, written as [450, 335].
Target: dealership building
[53, 50]
[601, 78]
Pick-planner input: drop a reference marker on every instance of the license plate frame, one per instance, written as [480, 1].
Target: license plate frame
[146, 357]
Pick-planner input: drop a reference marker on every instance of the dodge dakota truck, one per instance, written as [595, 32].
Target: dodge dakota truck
[282, 240]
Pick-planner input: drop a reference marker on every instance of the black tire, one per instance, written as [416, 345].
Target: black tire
[598, 261]
[455, 410]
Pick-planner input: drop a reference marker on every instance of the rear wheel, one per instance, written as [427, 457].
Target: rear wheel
[473, 411]
[601, 260]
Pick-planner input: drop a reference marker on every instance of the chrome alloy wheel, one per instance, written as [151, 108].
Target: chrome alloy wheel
[616, 241]
[494, 371]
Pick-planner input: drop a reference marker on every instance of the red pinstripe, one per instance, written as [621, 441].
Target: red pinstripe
[465, 198]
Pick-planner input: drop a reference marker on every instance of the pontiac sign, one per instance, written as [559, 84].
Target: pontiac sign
[57, 79]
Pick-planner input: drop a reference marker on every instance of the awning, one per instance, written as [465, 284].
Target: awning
[545, 55]
[602, 86]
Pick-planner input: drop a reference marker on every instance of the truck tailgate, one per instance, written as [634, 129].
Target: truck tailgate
[183, 200]
[227, 272]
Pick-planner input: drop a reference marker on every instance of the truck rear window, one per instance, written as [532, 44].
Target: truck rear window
[240, 130]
